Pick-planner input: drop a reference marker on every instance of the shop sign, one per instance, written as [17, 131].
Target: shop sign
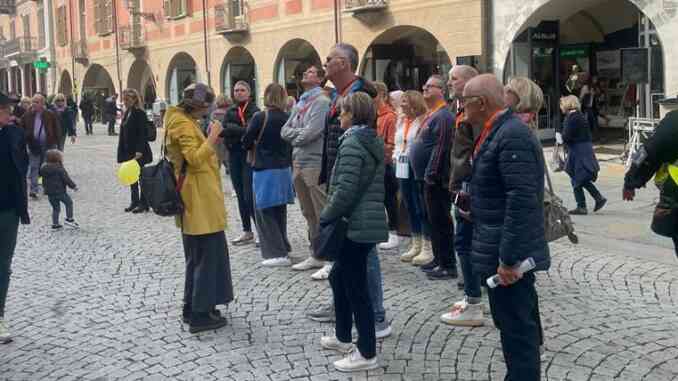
[580, 52]
[40, 64]
[544, 36]
[8, 7]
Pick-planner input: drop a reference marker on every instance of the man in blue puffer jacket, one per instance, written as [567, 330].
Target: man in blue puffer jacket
[508, 213]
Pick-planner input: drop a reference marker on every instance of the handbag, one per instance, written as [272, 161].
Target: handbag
[161, 187]
[252, 152]
[329, 242]
[557, 220]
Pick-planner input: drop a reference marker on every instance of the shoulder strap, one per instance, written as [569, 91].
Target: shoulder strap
[546, 172]
[263, 127]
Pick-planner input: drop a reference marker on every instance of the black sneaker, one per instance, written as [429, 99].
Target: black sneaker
[205, 322]
[600, 204]
[140, 209]
[186, 314]
[578, 212]
[57, 227]
[71, 222]
[440, 273]
[460, 285]
[33, 195]
[427, 268]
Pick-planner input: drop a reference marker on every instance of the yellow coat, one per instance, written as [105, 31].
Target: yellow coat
[202, 192]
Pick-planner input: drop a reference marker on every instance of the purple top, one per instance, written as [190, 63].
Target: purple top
[38, 130]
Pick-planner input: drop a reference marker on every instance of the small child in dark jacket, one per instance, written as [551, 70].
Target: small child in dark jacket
[55, 179]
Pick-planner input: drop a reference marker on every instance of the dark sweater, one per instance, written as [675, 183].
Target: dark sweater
[8, 187]
[272, 151]
[430, 152]
[55, 179]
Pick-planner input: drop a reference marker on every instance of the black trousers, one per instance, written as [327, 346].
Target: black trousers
[391, 196]
[88, 124]
[241, 177]
[9, 229]
[438, 205]
[137, 192]
[208, 272]
[348, 279]
[111, 125]
[515, 311]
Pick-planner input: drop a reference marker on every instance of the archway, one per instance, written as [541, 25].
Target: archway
[141, 79]
[65, 84]
[180, 73]
[404, 57]
[293, 59]
[98, 81]
[238, 65]
[555, 35]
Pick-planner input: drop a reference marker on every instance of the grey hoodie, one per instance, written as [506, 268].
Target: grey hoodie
[304, 131]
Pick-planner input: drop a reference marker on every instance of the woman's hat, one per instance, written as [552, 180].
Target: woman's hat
[198, 95]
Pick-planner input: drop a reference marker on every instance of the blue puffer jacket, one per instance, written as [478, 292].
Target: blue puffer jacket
[507, 201]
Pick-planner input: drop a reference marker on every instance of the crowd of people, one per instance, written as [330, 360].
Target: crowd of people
[459, 163]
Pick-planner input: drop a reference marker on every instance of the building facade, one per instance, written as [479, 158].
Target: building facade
[160, 46]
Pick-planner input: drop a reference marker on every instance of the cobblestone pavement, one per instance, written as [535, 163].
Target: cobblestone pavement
[103, 302]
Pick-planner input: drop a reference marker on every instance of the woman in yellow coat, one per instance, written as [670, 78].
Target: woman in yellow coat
[208, 271]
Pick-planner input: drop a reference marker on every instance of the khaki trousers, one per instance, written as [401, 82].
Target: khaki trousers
[312, 197]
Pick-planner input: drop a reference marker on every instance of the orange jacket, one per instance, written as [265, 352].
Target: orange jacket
[386, 129]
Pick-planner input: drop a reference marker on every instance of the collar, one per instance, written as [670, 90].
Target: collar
[310, 93]
[437, 107]
[384, 109]
[490, 122]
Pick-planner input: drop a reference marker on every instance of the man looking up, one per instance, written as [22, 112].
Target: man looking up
[304, 131]
[469, 311]
[507, 208]
[430, 158]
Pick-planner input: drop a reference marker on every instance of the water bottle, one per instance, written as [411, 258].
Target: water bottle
[524, 267]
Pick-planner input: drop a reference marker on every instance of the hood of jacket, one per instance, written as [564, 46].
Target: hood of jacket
[367, 138]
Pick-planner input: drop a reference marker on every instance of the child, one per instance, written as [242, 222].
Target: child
[55, 179]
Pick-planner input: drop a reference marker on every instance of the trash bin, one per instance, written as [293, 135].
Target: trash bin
[667, 105]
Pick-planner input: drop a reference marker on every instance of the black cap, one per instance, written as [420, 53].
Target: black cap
[7, 101]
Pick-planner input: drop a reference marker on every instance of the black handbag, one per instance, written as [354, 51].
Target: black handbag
[329, 243]
[161, 187]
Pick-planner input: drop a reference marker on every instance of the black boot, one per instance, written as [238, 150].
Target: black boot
[205, 321]
[600, 203]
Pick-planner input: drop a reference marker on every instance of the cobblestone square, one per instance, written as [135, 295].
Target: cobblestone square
[104, 302]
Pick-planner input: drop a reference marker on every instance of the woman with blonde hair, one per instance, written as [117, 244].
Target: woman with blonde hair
[133, 144]
[414, 113]
[272, 176]
[582, 165]
[526, 98]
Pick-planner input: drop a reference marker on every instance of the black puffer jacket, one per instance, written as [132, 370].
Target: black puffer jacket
[234, 129]
[508, 198]
[333, 129]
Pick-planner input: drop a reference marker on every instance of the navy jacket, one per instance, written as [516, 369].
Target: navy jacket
[272, 152]
[430, 152]
[19, 157]
[582, 165]
[508, 198]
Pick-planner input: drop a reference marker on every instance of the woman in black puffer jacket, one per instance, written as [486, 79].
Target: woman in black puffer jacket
[582, 165]
[133, 144]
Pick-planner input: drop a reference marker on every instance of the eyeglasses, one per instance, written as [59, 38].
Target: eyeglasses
[468, 99]
[428, 86]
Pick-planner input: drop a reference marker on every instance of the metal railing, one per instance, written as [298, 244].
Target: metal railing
[132, 37]
[231, 16]
[21, 45]
[365, 4]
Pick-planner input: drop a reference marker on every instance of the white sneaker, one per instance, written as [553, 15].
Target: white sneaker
[5, 336]
[382, 333]
[323, 273]
[393, 242]
[277, 262]
[355, 362]
[332, 343]
[307, 264]
[464, 314]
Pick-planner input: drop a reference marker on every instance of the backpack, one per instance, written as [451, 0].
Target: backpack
[161, 187]
[151, 131]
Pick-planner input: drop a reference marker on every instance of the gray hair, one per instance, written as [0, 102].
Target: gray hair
[361, 107]
[350, 52]
[465, 71]
[530, 95]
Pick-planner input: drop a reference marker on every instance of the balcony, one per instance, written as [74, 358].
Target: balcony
[80, 51]
[230, 18]
[357, 7]
[132, 37]
[21, 49]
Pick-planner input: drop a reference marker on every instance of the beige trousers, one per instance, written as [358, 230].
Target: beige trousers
[312, 197]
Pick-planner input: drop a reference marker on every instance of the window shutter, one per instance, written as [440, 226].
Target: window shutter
[97, 16]
[109, 16]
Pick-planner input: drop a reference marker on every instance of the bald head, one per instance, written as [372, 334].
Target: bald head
[458, 77]
[488, 87]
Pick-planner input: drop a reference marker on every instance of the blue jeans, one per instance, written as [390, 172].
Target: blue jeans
[35, 161]
[415, 207]
[463, 239]
[375, 286]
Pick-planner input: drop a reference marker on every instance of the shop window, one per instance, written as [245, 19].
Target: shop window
[103, 17]
[61, 21]
[175, 8]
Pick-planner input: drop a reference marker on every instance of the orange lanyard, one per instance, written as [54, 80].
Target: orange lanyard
[241, 114]
[408, 124]
[342, 93]
[485, 132]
